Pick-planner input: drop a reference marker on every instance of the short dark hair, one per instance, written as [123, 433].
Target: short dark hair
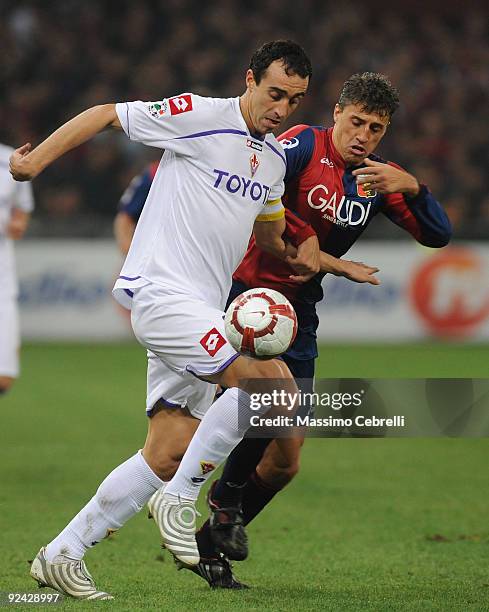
[293, 56]
[373, 91]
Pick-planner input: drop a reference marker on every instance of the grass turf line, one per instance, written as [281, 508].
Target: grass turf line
[389, 524]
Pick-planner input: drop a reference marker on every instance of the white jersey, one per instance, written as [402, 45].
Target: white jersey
[12, 195]
[213, 181]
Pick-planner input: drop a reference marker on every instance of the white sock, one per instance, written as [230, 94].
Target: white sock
[218, 433]
[120, 496]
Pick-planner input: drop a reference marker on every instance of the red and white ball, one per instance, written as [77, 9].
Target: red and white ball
[261, 323]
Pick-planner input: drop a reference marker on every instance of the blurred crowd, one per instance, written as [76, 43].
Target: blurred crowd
[64, 56]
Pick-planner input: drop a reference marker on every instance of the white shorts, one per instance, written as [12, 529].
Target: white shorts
[9, 338]
[185, 340]
[175, 390]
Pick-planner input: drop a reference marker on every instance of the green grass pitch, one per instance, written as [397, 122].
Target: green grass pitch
[396, 524]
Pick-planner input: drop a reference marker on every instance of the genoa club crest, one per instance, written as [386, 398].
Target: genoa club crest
[365, 191]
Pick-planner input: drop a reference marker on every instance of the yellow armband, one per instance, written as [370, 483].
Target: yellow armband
[272, 211]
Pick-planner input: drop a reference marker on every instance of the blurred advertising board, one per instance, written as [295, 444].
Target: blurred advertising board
[65, 293]
[425, 293]
[65, 290]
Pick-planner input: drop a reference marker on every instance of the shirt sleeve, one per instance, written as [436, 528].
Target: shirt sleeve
[134, 197]
[274, 208]
[23, 198]
[272, 211]
[298, 145]
[171, 123]
[297, 230]
[422, 216]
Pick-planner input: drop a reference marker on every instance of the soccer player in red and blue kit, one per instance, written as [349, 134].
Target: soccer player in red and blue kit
[335, 186]
[131, 205]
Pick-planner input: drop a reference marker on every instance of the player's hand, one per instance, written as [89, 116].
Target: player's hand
[20, 168]
[18, 224]
[359, 272]
[306, 262]
[385, 178]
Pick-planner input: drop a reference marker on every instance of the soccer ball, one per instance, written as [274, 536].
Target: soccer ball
[261, 323]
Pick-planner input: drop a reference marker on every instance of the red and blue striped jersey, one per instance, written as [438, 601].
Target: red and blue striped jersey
[322, 194]
[321, 197]
[133, 199]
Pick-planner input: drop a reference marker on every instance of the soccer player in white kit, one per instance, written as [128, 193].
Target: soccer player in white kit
[220, 178]
[16, 205]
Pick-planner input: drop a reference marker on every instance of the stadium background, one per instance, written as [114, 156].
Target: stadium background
[403, 523]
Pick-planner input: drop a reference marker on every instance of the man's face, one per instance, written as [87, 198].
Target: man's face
[356, 133]
[275, 97]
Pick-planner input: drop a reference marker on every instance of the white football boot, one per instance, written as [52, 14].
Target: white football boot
[176, 519]
[71, 578]
[154, 503]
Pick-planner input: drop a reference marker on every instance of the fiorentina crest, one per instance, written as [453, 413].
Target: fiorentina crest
[206, 467]
[254, 163]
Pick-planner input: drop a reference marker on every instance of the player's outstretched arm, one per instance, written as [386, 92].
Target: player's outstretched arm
[355, 271]
[306, 263]
[19, 220]
[269, 237]
[308, 248]
[26, 164]
[304, 259]
[124, 226]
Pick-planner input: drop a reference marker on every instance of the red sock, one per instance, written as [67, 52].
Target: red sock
[256, 495]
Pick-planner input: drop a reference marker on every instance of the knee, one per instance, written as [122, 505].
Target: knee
[278, 475]
[253, 375]
[169, 434]
[6, 383]
[285, 474]
[163, 461]
[271, 368]
[270, 376]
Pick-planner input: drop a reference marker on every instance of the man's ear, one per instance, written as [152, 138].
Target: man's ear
[337, 111]
[250, 79]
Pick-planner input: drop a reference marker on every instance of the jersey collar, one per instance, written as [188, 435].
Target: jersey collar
[337, 159]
